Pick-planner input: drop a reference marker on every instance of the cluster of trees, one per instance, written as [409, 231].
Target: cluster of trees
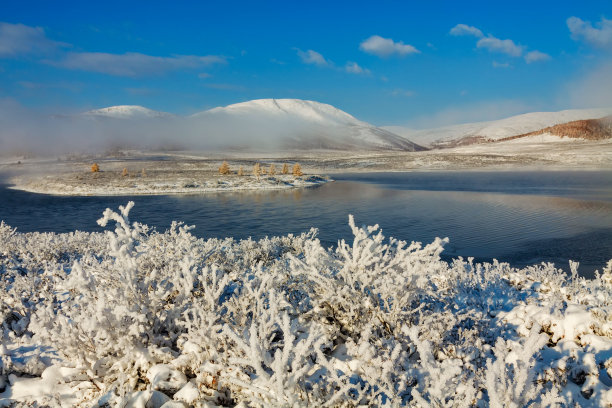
[259, 170]
[95, 168]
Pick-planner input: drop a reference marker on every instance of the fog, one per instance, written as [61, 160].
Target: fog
[27, 131]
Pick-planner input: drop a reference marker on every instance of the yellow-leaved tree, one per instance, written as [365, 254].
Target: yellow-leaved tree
[297, 170]
[224, 169]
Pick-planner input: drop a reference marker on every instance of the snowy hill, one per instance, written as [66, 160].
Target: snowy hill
[127, 112]
[263, 124]
[301, 124]
[469, 133]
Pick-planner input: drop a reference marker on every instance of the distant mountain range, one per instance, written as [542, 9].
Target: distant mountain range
[294, 124]
[284, 123]
[483, 132]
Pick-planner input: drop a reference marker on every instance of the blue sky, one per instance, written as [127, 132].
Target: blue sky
[420, 64]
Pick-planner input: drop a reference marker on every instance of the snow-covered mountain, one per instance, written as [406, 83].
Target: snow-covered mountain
[469, 133]
[127, 112]
[301, 124]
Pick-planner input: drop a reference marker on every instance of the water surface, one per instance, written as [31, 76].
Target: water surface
[518, 217]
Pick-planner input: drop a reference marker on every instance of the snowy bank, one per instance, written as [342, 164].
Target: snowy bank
[136, 318]
[90, 185]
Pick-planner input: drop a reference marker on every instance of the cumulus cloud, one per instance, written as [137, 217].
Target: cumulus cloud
[313, 58]
[464, 29]
[385, 47]
[536, 56]
[494, 44]
[133, 64]
[19, 39]
[354, 68]
[599, 36]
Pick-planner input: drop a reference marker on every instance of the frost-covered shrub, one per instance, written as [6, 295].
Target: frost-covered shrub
[135, 316]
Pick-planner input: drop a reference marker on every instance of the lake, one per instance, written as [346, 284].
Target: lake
[517, 217]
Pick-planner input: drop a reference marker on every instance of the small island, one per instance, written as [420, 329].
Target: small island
[141, 175]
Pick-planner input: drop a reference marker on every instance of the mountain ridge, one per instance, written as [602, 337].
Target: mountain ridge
[284, 123]
[482, 132]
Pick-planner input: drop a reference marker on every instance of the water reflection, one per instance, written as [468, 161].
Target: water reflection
[506, 217]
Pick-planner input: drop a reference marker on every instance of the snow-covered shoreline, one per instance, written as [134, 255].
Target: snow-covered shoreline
[153, 173]
[137, 317]
[53, 186]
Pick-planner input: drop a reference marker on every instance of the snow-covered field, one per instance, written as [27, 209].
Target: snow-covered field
[136, 318]
[164, 174]
[197, 172]
[180, 185]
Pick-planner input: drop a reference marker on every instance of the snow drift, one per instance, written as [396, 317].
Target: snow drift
[137, 317]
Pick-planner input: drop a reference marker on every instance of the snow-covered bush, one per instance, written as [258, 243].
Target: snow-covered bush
[136, 317]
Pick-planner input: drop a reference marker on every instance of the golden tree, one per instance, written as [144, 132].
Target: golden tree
[297, 170]
[285, 168]
[143, 173]
[224, 169]
[256, 170]
[95, 168]
[124, 173]
[272, 170]
[240, 171]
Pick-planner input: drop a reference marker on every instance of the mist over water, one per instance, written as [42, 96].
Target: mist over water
[518, 217]
[27, 131]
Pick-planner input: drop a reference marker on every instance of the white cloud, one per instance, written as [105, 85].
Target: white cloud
[536, 56]
[204, 75]
[133, 64]
[385, 47]
[313, 58]
[19, 39]
[503, 46]
[354, 68]
[463, 29]
[600, 37]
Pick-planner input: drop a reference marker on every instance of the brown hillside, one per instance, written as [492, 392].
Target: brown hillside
[591, 129]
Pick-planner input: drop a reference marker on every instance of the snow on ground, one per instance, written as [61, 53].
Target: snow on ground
[197, 172]
[144, 175]
[497, 129]
[140, 318]
[182, 185]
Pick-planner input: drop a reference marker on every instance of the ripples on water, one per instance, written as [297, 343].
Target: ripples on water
[517, 217]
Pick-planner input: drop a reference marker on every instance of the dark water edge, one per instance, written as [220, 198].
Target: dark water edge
[517, 217]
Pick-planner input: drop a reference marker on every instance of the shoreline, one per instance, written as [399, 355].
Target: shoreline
[182, 173]
[265, 184]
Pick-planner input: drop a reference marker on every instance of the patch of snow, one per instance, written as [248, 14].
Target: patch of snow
[127, 112]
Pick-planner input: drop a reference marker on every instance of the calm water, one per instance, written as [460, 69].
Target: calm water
[518, 217]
